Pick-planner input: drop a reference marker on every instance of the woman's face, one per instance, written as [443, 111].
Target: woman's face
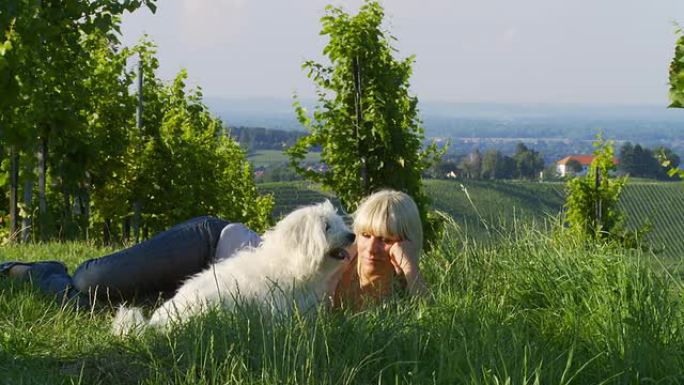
[374, 251]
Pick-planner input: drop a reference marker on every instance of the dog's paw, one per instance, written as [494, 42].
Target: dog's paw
[128, 322]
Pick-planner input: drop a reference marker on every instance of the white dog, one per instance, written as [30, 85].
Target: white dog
[297, 265]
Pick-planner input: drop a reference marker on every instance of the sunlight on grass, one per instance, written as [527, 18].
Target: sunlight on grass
[530, 308]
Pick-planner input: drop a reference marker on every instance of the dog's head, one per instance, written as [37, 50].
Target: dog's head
[313, 240]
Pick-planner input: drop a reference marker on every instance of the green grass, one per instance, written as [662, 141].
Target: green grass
[291, 195]
[662, 206]
[270, 158]
[659, 204]
[482, 206]
[531, 308]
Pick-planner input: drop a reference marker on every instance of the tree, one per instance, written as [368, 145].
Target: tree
[670, 167]
[446, 167]
[676, 73]
[641, 167]
[638, 161]
[676, 78]
[73, 102]
[110, 126]
[591, 205]
[471, 164]
[184, 164]
[181, 163]
[528, 162]
[627, 159]
[490, 163]
[669, 154]
[41, 64]
[495, 165]
[366, 122]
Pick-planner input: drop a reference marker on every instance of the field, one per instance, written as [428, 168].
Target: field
[533, 309]
[493, 208]
[290, 195]
[271, 158]
[485, 208]
[510, 303]
[662, 206]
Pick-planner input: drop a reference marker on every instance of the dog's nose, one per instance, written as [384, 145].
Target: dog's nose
[351, 237]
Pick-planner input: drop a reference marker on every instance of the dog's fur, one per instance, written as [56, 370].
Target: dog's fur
[295, 266]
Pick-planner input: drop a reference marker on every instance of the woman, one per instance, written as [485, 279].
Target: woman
[389, 242]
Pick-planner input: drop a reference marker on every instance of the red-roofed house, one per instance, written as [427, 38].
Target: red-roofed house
[584, 160]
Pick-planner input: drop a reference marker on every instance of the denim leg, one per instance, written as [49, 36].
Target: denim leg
[158, 265]
[51, 277]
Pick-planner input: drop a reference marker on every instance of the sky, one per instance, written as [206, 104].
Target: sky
[502, 51]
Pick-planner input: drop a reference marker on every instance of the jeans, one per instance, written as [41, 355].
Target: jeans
[157, 266]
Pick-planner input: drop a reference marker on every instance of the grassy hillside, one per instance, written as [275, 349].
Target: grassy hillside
[534, 309]
[661, 205]
[290, 195]
[494, 207]
[482, 206]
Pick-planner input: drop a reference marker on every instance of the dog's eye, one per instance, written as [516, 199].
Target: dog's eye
[327, 227]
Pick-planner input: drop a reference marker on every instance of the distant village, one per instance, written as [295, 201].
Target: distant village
[472, 158]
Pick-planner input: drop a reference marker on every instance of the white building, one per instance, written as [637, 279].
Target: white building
[584, 160]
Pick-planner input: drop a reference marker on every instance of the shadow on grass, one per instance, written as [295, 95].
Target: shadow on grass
[112, 366]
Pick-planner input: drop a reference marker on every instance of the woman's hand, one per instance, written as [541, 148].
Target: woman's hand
[404, 258]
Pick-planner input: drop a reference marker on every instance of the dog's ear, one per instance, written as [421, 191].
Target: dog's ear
[303, 231]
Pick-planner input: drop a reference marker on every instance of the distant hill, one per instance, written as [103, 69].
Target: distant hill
[622, 122]
[553, 130]
[636, 123]
[255, 112]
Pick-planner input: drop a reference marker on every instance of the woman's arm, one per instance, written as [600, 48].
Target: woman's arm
[404, 257]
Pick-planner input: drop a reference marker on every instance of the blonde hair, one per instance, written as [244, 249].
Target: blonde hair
[389, 213]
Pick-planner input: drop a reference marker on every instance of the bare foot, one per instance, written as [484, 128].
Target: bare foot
[18, 271]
